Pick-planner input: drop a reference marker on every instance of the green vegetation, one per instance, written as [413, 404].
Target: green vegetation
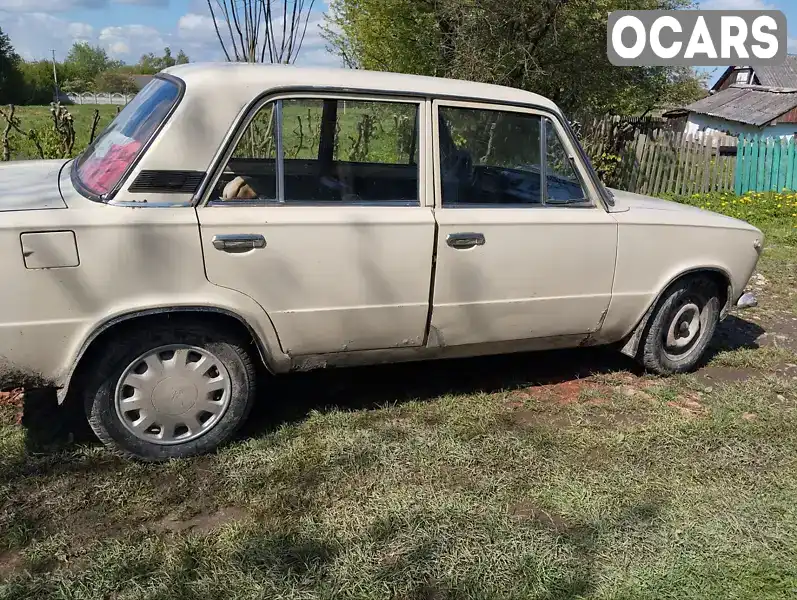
[39, 119]
[555, 475]
[556, 48]
[86, 68]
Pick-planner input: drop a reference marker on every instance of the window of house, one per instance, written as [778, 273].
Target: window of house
[327, 150]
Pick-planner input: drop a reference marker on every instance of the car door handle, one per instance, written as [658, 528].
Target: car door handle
[238, 242]
[462, 241]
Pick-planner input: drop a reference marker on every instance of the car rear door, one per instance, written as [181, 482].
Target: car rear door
[525, 247]
[320, 215]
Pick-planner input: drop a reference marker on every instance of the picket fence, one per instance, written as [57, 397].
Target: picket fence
[663, 162]
[765, 164]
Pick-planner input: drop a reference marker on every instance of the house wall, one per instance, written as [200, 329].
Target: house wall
[703, 123]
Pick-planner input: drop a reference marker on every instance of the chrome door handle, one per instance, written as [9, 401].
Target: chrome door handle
[238, 242]
[464, 240]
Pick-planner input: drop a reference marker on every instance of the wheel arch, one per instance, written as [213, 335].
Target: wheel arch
[721, 277]
[119, 323]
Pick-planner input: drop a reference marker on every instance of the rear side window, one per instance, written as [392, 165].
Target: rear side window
[326, 151]
[105, 161]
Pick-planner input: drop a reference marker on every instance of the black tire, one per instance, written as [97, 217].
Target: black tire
[109, 366]
[654, 352]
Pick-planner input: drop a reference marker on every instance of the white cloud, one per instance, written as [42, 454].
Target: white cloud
[129, 42]
[32, 6]
[35, 33]
[197, 28]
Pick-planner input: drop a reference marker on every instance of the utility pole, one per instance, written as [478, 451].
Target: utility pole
[55, 77]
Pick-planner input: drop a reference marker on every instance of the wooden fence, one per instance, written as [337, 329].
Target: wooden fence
[765, 164]
[665, 162]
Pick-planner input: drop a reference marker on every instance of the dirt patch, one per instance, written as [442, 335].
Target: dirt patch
[749, 416]
[711, 375]
[9, 562]
[635, 393]
[526, 419]
[781, 332]
[202, 522]
[570, 392]
[529, 512]
[11, 403]
[689, 407]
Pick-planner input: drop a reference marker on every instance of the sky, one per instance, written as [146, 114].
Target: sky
[129, 28]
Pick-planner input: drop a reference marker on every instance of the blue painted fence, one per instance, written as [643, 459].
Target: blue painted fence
[765, 164]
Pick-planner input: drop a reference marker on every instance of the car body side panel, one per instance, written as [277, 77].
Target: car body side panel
[332, 278]
[130, 260]
[656, 246]
[540, 273]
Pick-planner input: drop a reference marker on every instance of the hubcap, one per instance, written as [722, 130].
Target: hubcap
[173, 394]
[684, 328]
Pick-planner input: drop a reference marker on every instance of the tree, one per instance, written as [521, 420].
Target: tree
[261, 30]
[115, 82]
[149, 64]
[554, 47]
[39, 86]
[11, 81]
[83, 64]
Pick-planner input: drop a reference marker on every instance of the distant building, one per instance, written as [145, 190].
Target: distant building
[745, 100]
[141, 80]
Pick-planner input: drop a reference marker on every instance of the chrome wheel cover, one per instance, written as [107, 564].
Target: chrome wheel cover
[684, 330]
[173, 394]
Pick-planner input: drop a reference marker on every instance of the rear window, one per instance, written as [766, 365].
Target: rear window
[106, 160]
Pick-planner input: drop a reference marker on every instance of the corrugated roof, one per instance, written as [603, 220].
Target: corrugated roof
[784, 75]
[754, 105]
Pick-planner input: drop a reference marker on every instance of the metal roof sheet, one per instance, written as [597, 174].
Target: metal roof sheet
[751, 105]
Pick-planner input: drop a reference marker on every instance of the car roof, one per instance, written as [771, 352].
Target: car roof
[250, 80]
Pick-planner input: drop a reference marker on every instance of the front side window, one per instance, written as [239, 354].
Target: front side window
[504, 158]
[326, 150]
[108, 158]
[490, 157]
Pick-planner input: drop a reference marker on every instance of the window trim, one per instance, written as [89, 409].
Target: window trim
[581, 204]
[590, 190]
[237, 130]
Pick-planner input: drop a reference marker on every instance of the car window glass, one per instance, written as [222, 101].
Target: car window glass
[105, 161]
[332, 150]
[563, 185]
[490, 157]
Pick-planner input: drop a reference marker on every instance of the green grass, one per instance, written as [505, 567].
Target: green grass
[38, 118]
[545, 476]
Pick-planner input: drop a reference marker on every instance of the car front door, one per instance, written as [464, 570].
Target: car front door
[525, 249]
[319, 215]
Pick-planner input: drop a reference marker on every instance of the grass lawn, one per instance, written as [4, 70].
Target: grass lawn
[38, 118]
[543, 476]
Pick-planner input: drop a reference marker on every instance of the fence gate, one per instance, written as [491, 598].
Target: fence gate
[765, 164]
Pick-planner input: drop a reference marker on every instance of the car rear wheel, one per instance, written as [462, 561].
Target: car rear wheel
[681, 326]
[170, 391]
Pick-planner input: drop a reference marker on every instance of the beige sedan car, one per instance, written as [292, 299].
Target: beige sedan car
[308, 218]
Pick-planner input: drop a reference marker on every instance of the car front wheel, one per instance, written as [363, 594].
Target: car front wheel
[170, 391]
[681, 326]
